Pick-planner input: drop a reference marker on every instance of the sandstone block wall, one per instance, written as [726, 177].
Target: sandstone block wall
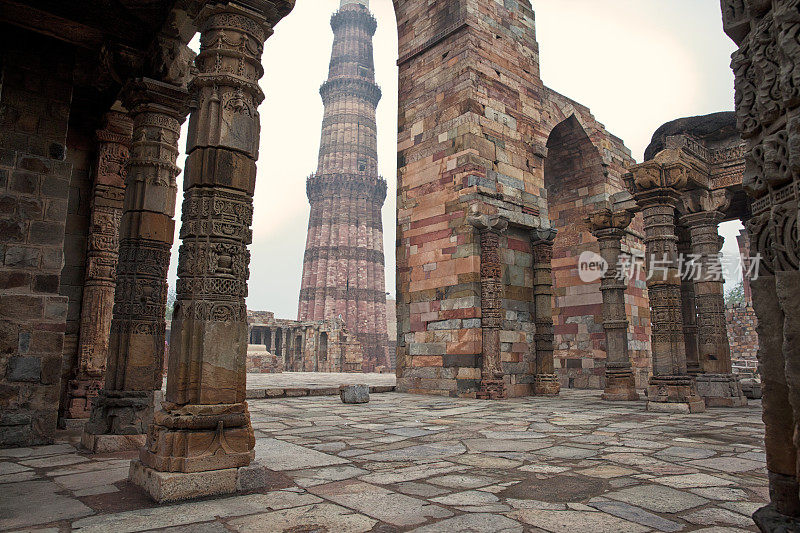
[482, 139]
[743, 338]
[35, 99]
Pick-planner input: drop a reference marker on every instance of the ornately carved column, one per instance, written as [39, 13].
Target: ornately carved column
[545, 380]
[655, 189]
[777, 415]
[102, 255]
[609, 227]
[204, 423]
[493, 386]
[717, 384]
[124, 408]
[689, 306]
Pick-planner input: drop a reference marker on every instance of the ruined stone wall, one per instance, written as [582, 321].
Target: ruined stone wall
[583, 169]
[261, 361]
[303, 346]
[35, 103]
[743, 337]
[479, 141]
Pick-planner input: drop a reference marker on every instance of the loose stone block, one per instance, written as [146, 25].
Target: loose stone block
[354, 393]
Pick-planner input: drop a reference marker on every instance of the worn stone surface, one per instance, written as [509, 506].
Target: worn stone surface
[411, 462]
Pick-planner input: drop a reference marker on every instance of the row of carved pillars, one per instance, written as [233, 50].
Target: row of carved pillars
[203, 422]
[493, 385]
[690, 348]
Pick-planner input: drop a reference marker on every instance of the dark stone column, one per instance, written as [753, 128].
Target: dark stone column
[609, 227]
[777, 416]
[717, 384]
[102, 256]
[493, 385]
[134, 371]
[545, 380]
[202, 433]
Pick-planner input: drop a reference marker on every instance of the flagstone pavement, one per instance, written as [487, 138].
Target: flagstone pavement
[426, 464]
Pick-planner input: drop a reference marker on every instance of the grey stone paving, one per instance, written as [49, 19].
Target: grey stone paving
[414, 463]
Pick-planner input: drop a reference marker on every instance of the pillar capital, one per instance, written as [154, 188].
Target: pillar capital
[703, 207]
[141, 95]
[543, 236]
[486, 223]
[606, 223]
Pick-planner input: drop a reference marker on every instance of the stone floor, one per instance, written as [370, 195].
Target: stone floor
[317, 380]
[402, 463]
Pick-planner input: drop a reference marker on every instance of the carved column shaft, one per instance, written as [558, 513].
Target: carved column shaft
[545, 380]
[136, 345]
[669, 352]
[609, 229]
[493, 385]
[670, 387]
[102, 255]
[689, 306]
[204, 423]
[714, 349]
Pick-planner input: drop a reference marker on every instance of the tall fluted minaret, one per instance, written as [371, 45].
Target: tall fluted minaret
[343, 269]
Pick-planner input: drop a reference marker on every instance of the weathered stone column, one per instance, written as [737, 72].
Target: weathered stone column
[202, 432]
[493, 385]
[102, 255]
[717, 384]
[688, 306]
[135, 364]
[545, 380]
[609, 227]
[655, 189]
[777, 411]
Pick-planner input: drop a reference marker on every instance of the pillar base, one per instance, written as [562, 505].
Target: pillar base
[721, 390]
[769, 520]
[164, 487]
[119, 420]
[546, 385]
[492, 389]
[199, 438]
[620, 386]
[111, 443]
[82, 393]
[674, 394]
[783, 494]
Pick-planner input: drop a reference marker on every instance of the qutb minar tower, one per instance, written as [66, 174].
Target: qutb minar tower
[343, 269]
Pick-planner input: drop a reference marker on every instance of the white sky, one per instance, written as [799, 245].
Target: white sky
[635, 63]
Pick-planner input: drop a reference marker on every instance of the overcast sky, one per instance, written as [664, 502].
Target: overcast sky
[635, 63]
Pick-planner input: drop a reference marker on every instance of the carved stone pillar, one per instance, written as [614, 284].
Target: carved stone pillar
[102, 255]
[134, 371]
[777, 415]
[202, 433]
[545, 380]
[608, 227]
[717, 384]
[688, 306]
[493, 385]
[655, 189]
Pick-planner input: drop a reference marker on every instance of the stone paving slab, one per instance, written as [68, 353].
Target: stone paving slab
[416, 463]
[299, 384]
